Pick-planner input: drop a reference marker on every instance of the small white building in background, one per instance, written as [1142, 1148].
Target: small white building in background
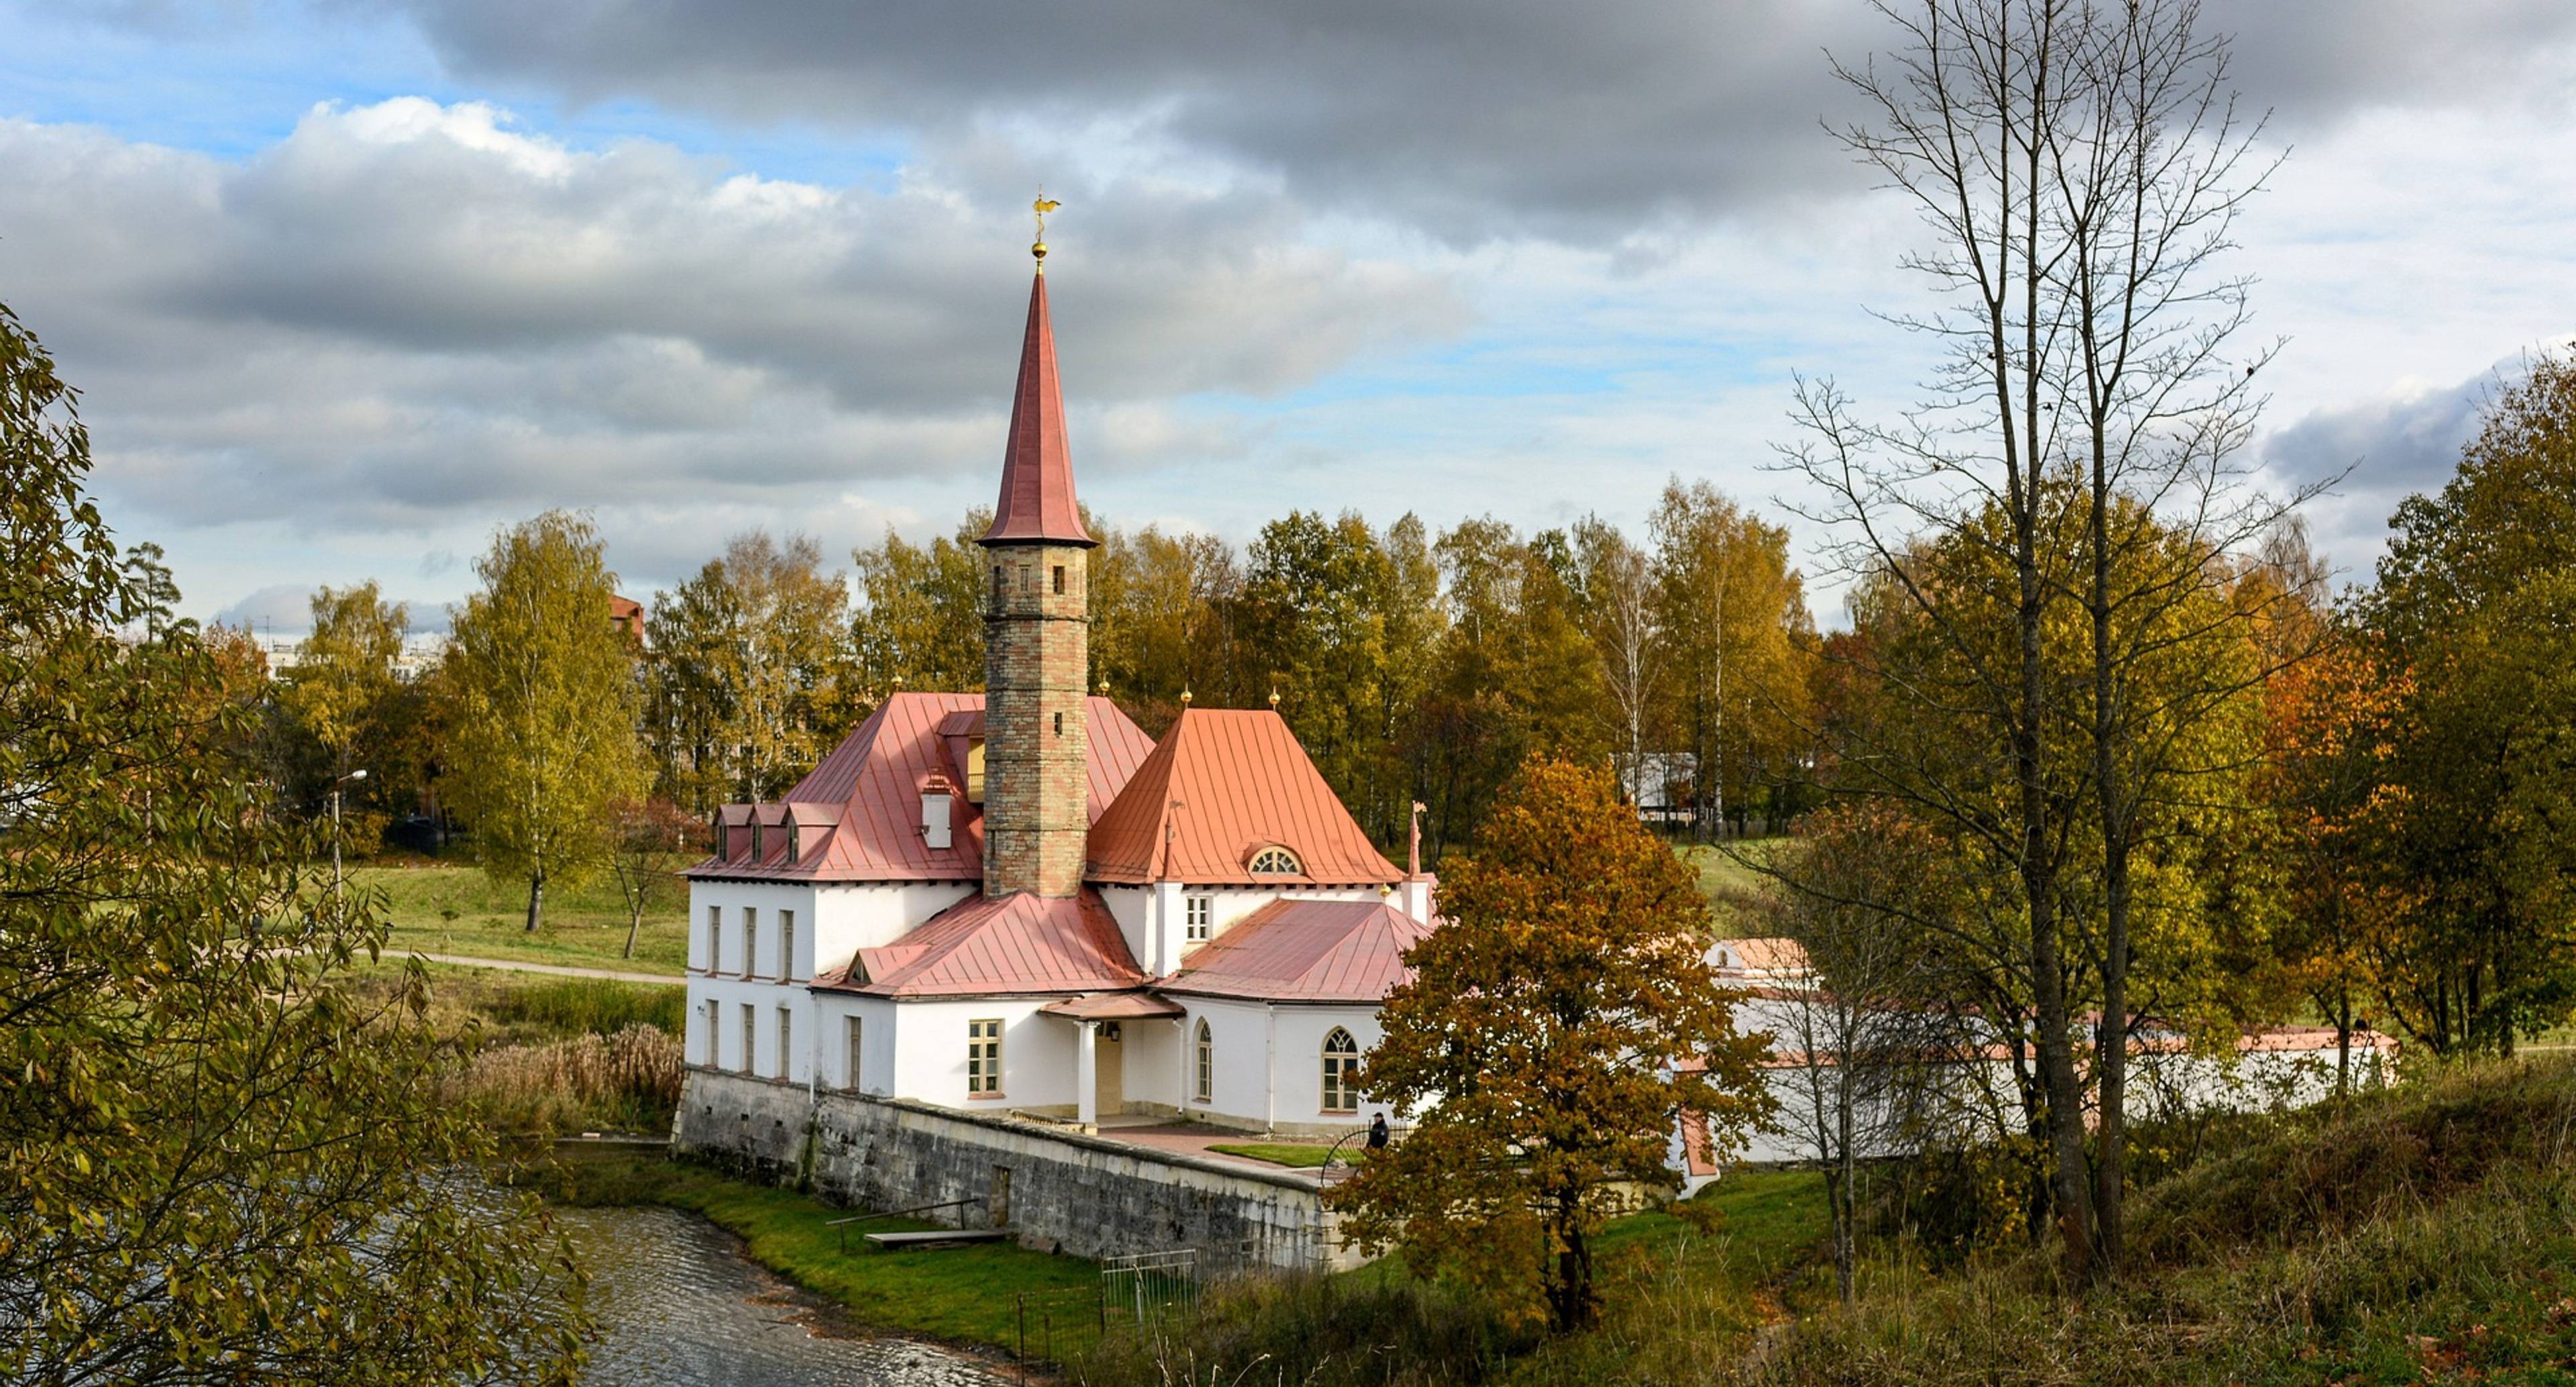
[2282, 1067]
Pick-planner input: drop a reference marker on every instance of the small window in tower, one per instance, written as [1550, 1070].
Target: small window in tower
[1059, 580]
[1059, 724]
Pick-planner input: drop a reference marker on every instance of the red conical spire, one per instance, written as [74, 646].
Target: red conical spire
[1037, 503]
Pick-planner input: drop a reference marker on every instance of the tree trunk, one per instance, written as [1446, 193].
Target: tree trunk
[1846, 1210]
[536, 897]
[634, 926]
[1571, 1296]
[2343, 1042]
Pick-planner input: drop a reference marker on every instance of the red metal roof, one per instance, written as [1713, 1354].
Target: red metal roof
[1115, 1006]
[1304, 951]
[873, 782]
[1037, 464]
[988, 945]
[1223, 784]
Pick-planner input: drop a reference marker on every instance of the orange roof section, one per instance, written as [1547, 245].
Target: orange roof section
[875, 777]
[994, 945]
[1037, 505]
[1223, 784]
[1304, 951]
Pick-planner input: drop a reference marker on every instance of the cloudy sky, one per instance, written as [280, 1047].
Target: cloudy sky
[348, 283]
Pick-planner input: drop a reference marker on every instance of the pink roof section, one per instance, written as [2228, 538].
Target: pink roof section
[1240, 783]
[1304, 951]
[1037, 504]
[870, 788]
[994, 945]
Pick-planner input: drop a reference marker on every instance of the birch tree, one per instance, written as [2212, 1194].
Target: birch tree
[545, 740]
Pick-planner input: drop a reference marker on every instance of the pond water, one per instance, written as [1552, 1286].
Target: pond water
[679, 1305]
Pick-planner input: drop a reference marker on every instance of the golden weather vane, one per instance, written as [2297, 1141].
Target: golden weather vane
[1042, 206]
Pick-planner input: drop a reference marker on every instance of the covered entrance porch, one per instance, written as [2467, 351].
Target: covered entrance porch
[1101, 1021]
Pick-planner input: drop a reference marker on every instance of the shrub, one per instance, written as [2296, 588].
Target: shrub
[628, 1081]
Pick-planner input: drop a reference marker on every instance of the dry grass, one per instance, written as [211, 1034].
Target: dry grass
[628, 1082]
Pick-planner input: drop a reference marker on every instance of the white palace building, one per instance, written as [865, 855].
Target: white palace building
[1016, 903]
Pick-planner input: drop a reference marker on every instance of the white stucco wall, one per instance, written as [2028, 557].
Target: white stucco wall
[929, 1060]
[1269, 1063]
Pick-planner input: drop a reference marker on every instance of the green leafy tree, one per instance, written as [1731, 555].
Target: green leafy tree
[1162, 608]
[748, 679]
[920, 623]
[344, 693]
[544, 740]
[2473, 817]
[1530, 1042]
[1732, 616]
[216, 1163]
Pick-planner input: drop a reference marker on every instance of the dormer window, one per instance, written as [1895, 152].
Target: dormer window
[1276, 862]
[935, 818]
[1059, 580]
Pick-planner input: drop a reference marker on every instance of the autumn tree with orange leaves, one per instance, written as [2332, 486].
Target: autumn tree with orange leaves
[1533, 1043]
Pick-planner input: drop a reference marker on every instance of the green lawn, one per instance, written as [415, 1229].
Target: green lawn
[460, 910]
[1288, 1154]
[963, 1295]
[1732, 886]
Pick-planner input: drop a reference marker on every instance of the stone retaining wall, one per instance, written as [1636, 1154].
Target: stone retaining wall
[1085, 1195]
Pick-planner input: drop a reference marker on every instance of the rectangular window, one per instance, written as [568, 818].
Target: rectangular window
[1059, 580]
[750, 940]
[787, 945]
[850, 1075]
[715, 938]
[750, 1034]
[1197, 913]
[786, 1035]
[1059, 724]
[984, 1059]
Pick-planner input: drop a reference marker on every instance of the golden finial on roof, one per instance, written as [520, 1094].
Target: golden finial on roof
[1274, 698]
[1185, 698]
[1042, 206]
[1104, 686]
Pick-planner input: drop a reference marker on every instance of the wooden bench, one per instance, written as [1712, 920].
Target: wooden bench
[936, 1237]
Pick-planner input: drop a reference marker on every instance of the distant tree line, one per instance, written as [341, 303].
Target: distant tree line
[1412, 665]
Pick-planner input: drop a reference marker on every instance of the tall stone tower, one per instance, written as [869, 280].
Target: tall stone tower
[1037, 640]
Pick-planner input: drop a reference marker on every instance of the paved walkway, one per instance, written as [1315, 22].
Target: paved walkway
[560, 970]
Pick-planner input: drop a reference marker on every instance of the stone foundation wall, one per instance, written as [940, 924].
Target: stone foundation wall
[1088, 1196]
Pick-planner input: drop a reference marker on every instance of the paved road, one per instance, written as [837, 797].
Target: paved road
[560, 970]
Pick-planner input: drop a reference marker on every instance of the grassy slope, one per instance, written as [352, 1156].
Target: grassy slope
[1731, 885]
[1676, 1299]
[2428, 1234]
[964, 1295]
[460, 910]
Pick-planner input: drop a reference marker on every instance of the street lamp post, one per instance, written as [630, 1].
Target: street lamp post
[358, 774]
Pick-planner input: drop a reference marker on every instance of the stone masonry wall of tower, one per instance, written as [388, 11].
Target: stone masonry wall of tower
[1037, 650]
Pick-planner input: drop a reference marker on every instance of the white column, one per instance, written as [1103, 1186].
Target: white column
[1086, 1079]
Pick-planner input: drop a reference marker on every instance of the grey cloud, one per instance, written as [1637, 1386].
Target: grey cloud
[1588, 123]
[2387, 449]
[407, 313]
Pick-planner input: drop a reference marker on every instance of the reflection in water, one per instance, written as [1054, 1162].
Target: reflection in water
[679, 1306]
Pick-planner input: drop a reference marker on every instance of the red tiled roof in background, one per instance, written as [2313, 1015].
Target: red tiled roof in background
[1304, 951]
[989, 945]
[1773, 956]
[1037, 465]
[874, 778]
[1242, 783]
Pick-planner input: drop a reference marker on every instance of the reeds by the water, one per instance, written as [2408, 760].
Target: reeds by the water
[626, 1081]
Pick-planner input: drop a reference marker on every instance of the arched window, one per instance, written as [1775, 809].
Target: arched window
[1276, 862]
[1206, 1070]
[1341, 1063]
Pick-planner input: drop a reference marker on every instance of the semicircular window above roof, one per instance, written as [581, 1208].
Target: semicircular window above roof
[1276, 862]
